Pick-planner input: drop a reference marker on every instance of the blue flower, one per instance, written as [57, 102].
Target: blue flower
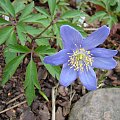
[80, 56]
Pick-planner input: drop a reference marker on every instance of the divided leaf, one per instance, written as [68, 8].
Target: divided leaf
[18, 48]
[11, 67]
[12, 39]
[98, 16]
[98, 2]
[43, 11]
[42, 41]
[7, 54]
[18, 6]
[21, 30]
[52, 6]
[44, 50]
[5, 33]
[73, 14]
[31, 80]
[3, 21]
[10, 7]
[27, 10]
[32, 30]
[33, 18]
[112, 20]
[7, 7]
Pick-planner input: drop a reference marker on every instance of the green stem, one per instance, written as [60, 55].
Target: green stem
[50, 37]
[37, 36]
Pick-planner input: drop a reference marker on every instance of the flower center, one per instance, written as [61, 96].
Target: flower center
[80, 59]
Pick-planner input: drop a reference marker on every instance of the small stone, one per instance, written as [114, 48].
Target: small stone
[102, 104]
[44, 113]
[35, 105]
[63, 90]
[117, 69]
[59, 115]
[27, 115]
[1, 107]
[11, 113]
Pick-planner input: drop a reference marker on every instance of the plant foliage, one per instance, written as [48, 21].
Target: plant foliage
[29, 31]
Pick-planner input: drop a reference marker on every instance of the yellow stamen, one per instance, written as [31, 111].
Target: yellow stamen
[80, 59]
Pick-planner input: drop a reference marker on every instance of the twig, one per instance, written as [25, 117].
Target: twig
[14, 99]
[83, 90]
[12, 107]
[54, 94]
[53, 103]
[71, 94]
[37, 36]
[90, 29]
[71, 98]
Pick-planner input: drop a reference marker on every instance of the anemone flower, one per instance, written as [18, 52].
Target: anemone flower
[80, 55]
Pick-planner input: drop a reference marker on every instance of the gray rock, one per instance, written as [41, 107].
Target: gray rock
[102, 104]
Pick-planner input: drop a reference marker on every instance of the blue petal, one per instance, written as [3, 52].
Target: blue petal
[70, 37]
[104, 63]
[88, 79]
[59, 58]
[102, 52]
[96, 38]
[67, 76]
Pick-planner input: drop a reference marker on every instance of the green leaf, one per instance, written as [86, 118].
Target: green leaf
[4, 22]
[27, 10]
[73, 14]
[112, 20]
[18, 48]
[30, 93]
[43, 11]
[33, 18]
[118, 8]
[53, 70]
[63, 3]
[21, 32]
[98, 16]
[7, 54]
[56, 32]
[8, 7]
[18, 6]
[98, 2]
[32, 30]
[44, 96]
[42, 41]
[45, 50]
[52, 6]
[45, 22]
[12, 38]
[3, 5]
[107, 5]
[3, 12]
[5, 33]
[31, 80]
[10, 68]
[112, 2]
